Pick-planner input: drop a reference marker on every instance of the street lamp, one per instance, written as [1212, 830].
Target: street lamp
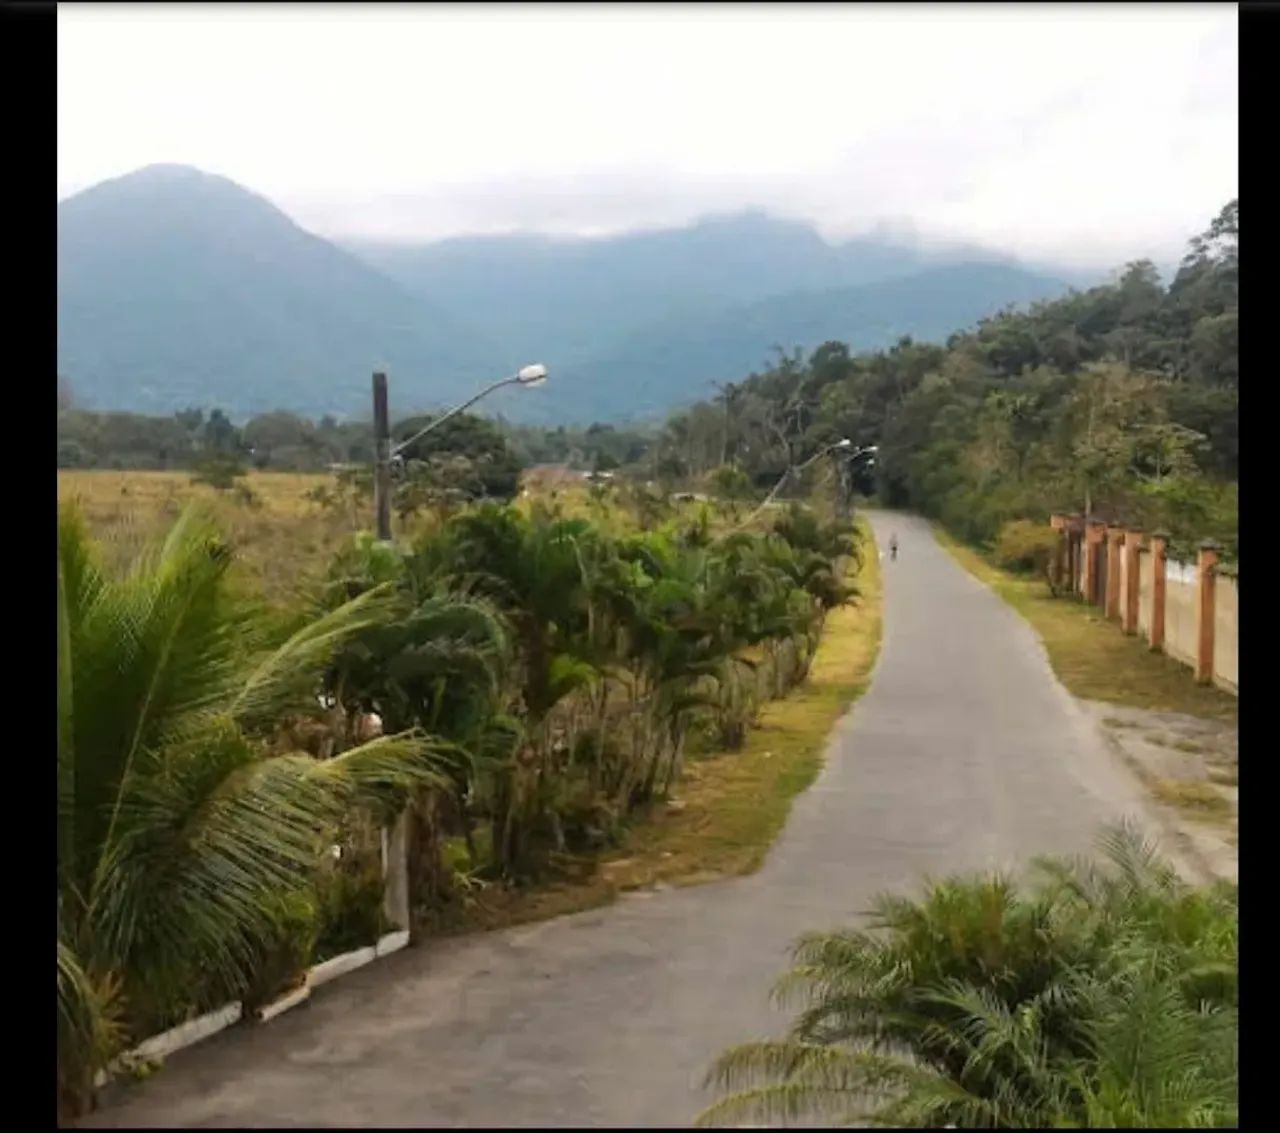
[846, 479]
[535, 374]
[842, 443]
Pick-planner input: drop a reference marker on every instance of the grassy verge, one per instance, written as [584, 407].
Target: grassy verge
[730, 806]
[1090, 655]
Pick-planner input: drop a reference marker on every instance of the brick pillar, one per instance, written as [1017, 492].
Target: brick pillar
[1155, 633]
[1132, 543]
[1094, 531]
[1206, 568]
[1075, 553]
[1115, 536]
[1059, 524]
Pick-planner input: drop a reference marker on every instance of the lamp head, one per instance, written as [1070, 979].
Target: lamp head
[532, 375]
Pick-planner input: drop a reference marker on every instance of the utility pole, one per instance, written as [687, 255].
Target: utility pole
[382, 458]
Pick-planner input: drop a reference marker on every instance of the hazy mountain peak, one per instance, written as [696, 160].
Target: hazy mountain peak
[179, 287]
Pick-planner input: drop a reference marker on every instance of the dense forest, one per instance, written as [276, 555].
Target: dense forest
[1119, 401]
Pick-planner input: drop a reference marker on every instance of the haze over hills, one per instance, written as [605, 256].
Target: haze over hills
[586, 294]
[177, 288]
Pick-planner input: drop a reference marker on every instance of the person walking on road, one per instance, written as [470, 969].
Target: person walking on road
[893, 546]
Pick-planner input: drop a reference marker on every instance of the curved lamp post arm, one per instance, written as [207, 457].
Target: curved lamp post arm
[787, 475]
[532, 375]
[398, 448]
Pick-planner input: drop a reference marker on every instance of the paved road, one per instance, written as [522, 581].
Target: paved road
[965, 753]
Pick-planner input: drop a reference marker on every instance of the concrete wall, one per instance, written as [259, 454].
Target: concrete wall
[1145, 596]
[1225, 628]
[1181, 634]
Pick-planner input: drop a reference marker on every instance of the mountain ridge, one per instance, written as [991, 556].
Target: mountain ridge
[180, 287]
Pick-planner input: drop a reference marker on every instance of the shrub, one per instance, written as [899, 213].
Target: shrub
[286, 954]
[1025, 546]
[1085, 996]
[350, 909]
[220, 470]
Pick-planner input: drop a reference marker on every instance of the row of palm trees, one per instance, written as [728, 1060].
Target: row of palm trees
[536, 678]
[570, 662]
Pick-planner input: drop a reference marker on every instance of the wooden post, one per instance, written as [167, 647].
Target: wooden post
[1114, 537]
[382, 458]
[1132, 543]
[1155, 632]
[1206, 564]
[1093, 533]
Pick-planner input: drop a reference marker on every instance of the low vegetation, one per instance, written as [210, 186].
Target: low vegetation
[1085, 995]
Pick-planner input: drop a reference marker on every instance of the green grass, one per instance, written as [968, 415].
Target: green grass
[1092, 657]
[731, 806]
[1198, 800]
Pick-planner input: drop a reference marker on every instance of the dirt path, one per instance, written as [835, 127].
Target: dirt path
[965, 753]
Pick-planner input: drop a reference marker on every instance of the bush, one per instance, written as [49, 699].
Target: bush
[1025, 546]
[350, 909]
[1086, 995]
[220, 470]
[287, 955]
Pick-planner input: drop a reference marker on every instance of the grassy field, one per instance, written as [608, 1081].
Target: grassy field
[730, 806]
[1091, 656]
[282, 538]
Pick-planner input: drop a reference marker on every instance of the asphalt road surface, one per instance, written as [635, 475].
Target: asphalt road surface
[965, 753]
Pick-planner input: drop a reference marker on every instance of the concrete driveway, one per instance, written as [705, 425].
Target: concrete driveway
[965, 753]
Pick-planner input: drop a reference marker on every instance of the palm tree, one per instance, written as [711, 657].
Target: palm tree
[1098, 996]
[178, 835]
[437, 662]
[534, 569]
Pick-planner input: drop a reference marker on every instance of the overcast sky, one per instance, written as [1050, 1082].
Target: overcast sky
[1089, 134]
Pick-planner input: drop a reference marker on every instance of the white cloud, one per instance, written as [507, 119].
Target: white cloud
[1091, 132]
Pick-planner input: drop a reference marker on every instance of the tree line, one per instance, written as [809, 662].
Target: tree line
[1119, 402]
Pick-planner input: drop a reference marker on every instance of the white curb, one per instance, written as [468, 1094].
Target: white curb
[341, 965]
[168, 1042]
[392, 942]
[281, 1005]
[197, 1030]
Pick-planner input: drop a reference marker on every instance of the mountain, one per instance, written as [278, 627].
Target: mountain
[577, 299]
[177, 288]
[674, 362]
